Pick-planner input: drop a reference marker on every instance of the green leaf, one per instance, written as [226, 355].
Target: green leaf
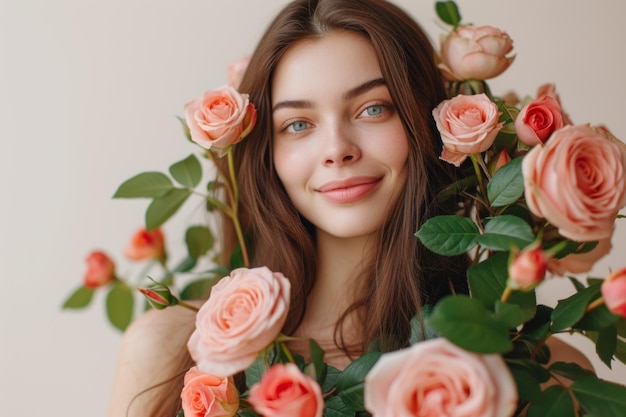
[351, 382]
[606, 344]
[569, 370]
[505, 231]
[467, 323]
[317, 360]
[420, 330]
[119, 306]
[448, 235]
[185, 265]
[330, 379]
[487, 279]
[246, 413]
[530, 366]
[335, 407]
[145, 185]
[527, 386]
[448, 12]
[507, 184]
[199, 289]
[187, 172]
[186, 130]
[512, 314]
[255, 371]
[570, 310]
[199, 240]
[600, 397]
[554, 402]
[80, 298]
[162, 208]
[597, 319]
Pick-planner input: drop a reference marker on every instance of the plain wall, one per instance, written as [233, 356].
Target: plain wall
[89, 91]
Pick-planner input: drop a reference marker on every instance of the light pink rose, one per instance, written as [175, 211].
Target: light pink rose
[146, 245]
[578, 263]
[236, 70]
[243, 315]
[467, 124]
[527, 269]
[538, 120]
[220, 118]
[100, 270]
[284, 391]
[206, 395]
[614, 292]
[437, 378]
[475, 53]
[576, 181]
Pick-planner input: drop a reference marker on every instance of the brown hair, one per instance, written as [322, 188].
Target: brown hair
[403, 275]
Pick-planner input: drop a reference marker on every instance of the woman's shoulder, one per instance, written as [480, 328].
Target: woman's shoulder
[153, 351]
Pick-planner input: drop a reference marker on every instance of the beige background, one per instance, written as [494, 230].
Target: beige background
[89, 91]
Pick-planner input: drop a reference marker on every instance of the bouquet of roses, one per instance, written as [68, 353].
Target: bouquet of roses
[540, 197]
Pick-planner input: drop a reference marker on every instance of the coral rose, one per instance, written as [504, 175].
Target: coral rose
[236, 70]
[528, 268]
[206, 395]
[243, 315]
[284, 391]
[100, 270]
[614, 292]
[475, 53]
[577, 181]
[538, 120]
[549, 89]
[146, 245]
[467, 124]
[220, 118]
[578, 263]
[437, 378]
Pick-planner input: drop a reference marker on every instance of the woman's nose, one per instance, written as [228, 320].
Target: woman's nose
[340, 148]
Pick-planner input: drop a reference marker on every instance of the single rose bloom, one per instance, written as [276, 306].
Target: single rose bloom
[284, 391]
[614, 292]
[220, 118]
[576, 181]
[578, 263]
[475, 53]
[236, 70]
[528, 268]
[100, 270]
[549, 89]
[206, 395]
[538, 120]
[243, 315]
[437, 378]
[145, 245]
[467, 124]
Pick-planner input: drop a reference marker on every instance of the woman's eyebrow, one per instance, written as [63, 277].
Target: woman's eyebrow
[350, 94]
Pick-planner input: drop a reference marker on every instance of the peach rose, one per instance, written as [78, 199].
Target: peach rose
[220, 118]
[284, 391]
[549, 89]
[467, 124]
[475, 53]
[528, 269]
[206, 395]
[146, 245]
[236, 70]
[437, 378]
[578, 263]
[538, 120]
[614, 292]
[100, 270]
[577, 181]
[243, 315]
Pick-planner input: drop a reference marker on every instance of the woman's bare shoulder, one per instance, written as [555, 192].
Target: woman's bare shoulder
[152, 351]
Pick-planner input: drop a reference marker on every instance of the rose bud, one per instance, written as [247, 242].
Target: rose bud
[538, 120]
[614, 292]
[475, 53]
[159, 296]
[100, 270]
[503, 159]
[146, 245]
[206, 395]
[527, 269]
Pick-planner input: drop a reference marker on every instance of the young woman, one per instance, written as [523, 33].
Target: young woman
[339, 172]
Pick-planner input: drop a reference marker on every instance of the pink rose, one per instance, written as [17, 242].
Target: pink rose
[100, 270]
[220, 118]
[146, 245]
[576, 181]
[467, 124]
[243, 315]
[475, 53]
[284, 391]
[549, 89]
[437, 378]
[614, 292]
[207, 395]
[538, 120]
[578, 263]
[527, 269]
[502, 160]
[236, 70]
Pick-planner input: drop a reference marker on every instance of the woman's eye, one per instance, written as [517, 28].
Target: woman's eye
[297, 126]
[374, 110]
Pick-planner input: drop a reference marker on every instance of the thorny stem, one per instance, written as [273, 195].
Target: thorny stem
[235, 208]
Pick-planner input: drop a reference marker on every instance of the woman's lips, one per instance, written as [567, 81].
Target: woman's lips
[348, 190]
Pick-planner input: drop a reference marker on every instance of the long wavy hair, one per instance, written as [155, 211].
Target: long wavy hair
[402, 275]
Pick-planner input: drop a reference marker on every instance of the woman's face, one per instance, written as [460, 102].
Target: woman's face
[339, 146]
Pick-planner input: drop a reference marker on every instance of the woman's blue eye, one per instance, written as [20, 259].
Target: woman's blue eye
[298, 126]
[375, 110]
